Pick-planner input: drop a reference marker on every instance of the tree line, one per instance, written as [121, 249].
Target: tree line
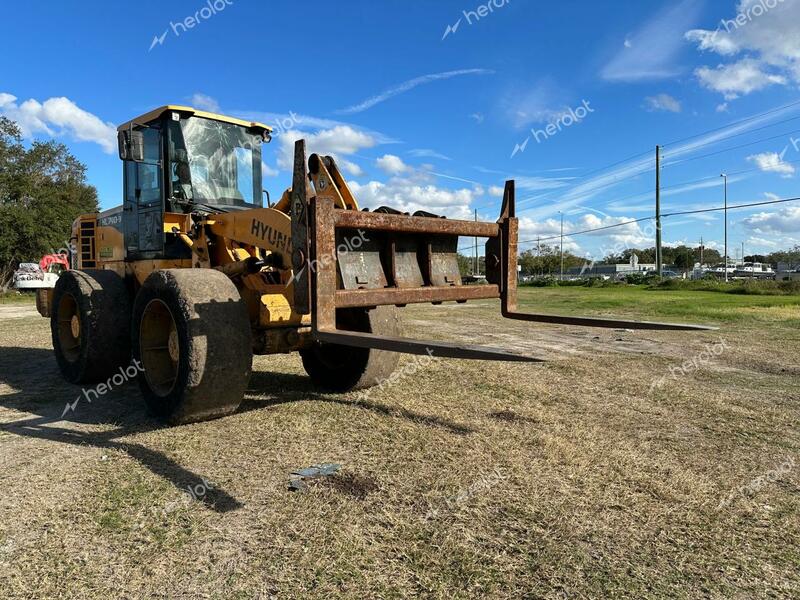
[546, 260]
[42, 190]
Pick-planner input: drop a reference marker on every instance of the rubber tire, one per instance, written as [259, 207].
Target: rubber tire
[104, 308]
[337, 368]
[215, 356]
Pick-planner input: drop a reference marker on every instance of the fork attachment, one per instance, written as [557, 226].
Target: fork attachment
[367, 259]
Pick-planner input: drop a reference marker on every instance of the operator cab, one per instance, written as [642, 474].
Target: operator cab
[181, 160]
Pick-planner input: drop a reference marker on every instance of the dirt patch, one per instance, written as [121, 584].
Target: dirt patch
[350, 484]
[10, 311]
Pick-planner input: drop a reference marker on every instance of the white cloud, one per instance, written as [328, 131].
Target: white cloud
[479, 118]
[351, 168]
[543, 102]
[408, 195]
[609, 241]
[662, 102]
[739, 78]
[407, 86]
[205, 102]
[721, 108]
[772, 162]
[57, 117]
[713, 41]
[307, 123]
[391, 164]
[427, 153]
[783, 221]
[496, 191]
[650, 53]
[339, 141]
[767, 38]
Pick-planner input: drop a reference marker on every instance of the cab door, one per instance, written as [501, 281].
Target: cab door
[143, 208]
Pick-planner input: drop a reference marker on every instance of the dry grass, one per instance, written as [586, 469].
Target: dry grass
[571, 479]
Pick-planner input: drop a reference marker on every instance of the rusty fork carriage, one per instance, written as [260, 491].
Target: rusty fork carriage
[403, 259]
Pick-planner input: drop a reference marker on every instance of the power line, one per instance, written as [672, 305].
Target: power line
[739, 122]
[731, 207]
[561, 192]
[748, 132]
[671, 214]
[677, 162]
[554, 237]
[574, 185]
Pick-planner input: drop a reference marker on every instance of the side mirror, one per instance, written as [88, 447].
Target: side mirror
[131, 145]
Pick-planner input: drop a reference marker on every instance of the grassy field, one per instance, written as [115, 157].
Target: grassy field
[648, 464]
[653, 304]
[14, 297]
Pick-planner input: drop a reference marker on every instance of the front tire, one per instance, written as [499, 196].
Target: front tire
[340, 368]
[192, 338]
[90, 325]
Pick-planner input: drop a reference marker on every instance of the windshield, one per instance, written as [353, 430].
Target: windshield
[215, 163]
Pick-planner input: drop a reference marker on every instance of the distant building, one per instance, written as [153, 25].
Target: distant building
[785, 266]
[609, 270]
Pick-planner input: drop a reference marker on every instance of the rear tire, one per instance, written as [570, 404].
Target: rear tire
[90, 325]
[192, 336]
[345, 368]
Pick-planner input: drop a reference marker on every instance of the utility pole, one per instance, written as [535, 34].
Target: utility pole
[659, 263]
[477, 269]
[539, 254]
[725, 178]
[701, 251]
[561, 278]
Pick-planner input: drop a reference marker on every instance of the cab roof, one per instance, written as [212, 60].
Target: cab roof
[156, 113]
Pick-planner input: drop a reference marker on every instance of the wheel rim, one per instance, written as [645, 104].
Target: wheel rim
[69, 327]
[159, 347]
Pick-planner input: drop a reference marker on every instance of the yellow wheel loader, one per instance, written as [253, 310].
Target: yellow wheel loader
[192, 275]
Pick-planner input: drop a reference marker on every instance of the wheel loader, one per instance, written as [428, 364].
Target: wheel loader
[193, 273]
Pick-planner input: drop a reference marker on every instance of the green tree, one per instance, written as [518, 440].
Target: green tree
[466, 264]
[791, 257]
[546, 260]
[42, 190]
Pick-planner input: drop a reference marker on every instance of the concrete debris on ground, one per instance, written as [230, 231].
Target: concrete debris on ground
[298, 478]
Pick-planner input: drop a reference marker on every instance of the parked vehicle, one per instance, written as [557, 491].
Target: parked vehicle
[754, 270]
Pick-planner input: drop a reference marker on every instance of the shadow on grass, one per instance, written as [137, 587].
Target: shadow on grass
[39, 389]
[289, 388]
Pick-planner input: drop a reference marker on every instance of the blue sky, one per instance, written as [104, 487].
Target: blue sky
[434, 104]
